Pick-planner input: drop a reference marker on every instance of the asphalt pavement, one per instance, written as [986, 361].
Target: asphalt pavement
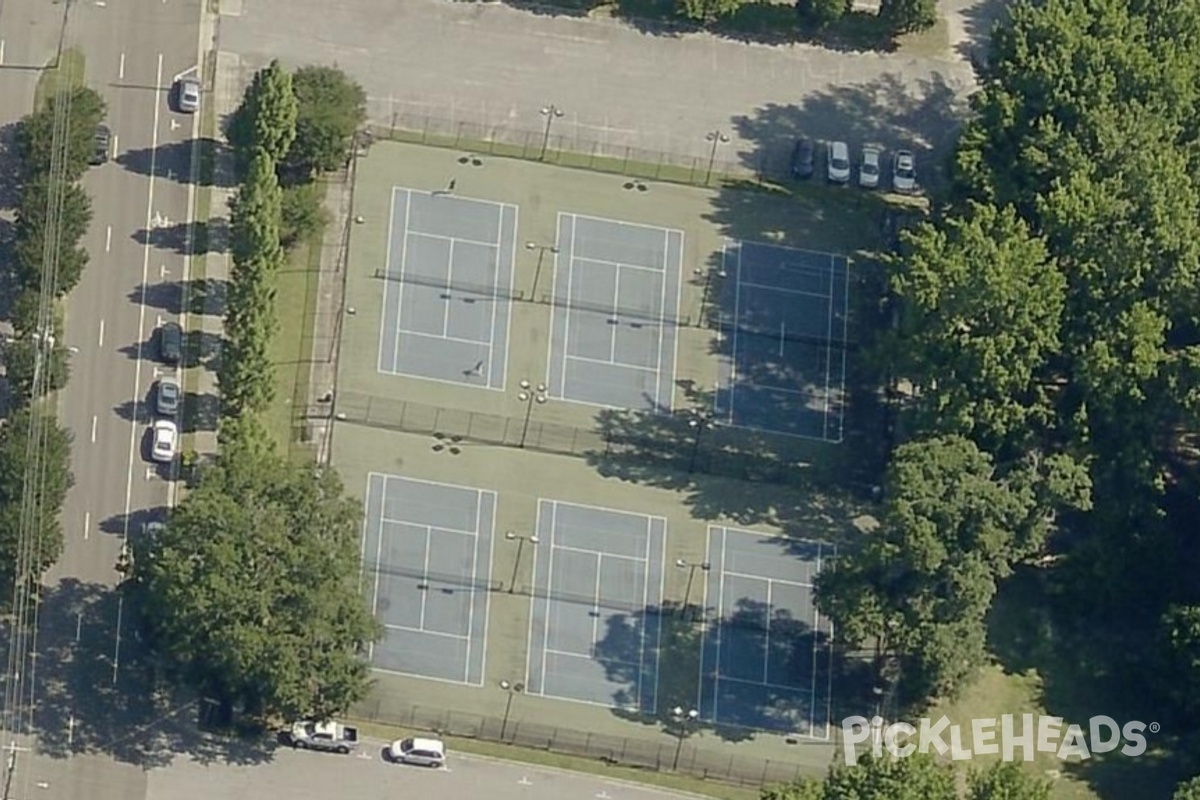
[142, 200]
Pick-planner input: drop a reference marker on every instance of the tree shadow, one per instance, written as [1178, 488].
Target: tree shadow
[11, 176]
[200, 349]
[201, 412]
[979, 20]
[190, 239]
[174, 161]
[97, 698]
[205, 296]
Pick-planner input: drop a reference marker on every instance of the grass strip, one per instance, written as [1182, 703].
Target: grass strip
[65, 71]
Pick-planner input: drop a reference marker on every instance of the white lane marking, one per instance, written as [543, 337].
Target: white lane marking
[158, 320]
[137, 368]
[93, 428]
[121, 68]
[71, 720]
[78, 625]
[116, 139]
[108, 239]
[1, 51]
[149, 473]
[162, 270]
[100, 343]
[87, 523]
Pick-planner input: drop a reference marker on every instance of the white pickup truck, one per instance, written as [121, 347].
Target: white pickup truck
[332, 737]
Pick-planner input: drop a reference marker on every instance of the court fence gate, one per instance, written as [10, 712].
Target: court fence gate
[640, 753]
[619, 440]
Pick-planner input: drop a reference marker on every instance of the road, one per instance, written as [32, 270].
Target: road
[90, 690]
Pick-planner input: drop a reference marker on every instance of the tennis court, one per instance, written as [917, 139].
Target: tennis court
[598, 580]
[766, 659]
[782, 319]
[427, 556]
[616, 302]
[446, 313]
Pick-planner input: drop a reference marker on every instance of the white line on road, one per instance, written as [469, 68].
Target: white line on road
[121, 68]
[87, 523]
[137, 369]
[108, 239]
[149, 473]
[1, 51]
[100, 343]
[93, 428]
[78, 625]
[158, 319]
[71, 729]
[162, 270]
[116, 139]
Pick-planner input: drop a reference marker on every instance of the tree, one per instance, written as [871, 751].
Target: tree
[302, 216]
[708, 11]
[903, 16]
[33, 226]
[51, 478]
[804, 789]
[1181, 626]
[983, 304]
[247, 376]
[255, 214]
[1188, 790]
[331, 107]
[20, 358]
[1007, 781]
[917, 777]
[251, 592]
[952, 527]
[266, 119]
[823, 13]
[36, 133]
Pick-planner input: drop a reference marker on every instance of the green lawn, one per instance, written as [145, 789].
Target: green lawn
[68, 69]
[291, 350]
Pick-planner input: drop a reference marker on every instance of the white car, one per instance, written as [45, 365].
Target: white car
[838, 166]
[422, 752]
[868, 171]
[166, 436]
[904, 172]
[188, 98]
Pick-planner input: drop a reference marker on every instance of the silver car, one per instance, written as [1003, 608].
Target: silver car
[868, 171]
[166, 397]
[188, 95]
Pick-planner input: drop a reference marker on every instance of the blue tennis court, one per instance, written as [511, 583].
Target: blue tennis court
[447, 295]
[616, 303]
[783, 322]
[427, 557]
[595, 627]
[766, 660]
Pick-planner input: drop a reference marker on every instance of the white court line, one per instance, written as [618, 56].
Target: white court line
[619, 511]
[621, 264]
[633, 367]
[605, 553]
[828, 353]
[776, 686]
[537, 528]
[453, 239]
[767, 636]
[662, 314]
[491, 343]
[403, 263]
[474, 582]
[812, 702]
[379, 550]
[675, 336]
[421, 675]
[549, 584]
[645, 604]
[616, 301]
[425, 573]
[449, 531]
[449, 284]
[387, 265]
[487, 596]
[436, 338]
[596, 603]
[426, 632]
[624, 224]
[731, 573]
[662, 588]
[572, 654]
[703, 628]
[567, 310]
[783, 290]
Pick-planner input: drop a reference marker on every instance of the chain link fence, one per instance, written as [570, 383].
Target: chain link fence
[574, 150]
[643, 753]
[626, 438]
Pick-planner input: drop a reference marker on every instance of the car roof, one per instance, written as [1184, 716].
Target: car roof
[163, 424]
[428, 744]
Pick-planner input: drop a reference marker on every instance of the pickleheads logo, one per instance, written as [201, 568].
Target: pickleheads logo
[1028, 734]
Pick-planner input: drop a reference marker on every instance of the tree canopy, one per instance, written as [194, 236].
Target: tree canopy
[251, 591]
[916, 777]
[330, 108]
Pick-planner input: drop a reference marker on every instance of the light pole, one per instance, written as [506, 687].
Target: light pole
[699, 422]
[512, 689]
[691, 567]
[520, 540]
[537, 273]
[706, 293]
[682, 720]
[551, 113]
[716, 137]
[529, 395]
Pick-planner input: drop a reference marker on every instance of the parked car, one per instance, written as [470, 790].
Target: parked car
[904, 172]
[328, 736]
[868, 170]
[170, 343]
[804, 156]
[166, 397]
[101, 141]
[187, 95]
[838, 167]
[166, 436]
[422, 752]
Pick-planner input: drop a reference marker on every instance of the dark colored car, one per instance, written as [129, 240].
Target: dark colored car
[804, 158]
[170, 343]
[100, 144]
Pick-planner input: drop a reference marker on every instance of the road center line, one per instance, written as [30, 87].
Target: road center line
[100, 343]
[137, 368]
[108, 239]
[121, 68]
[87, 523]
[116, 149]
[1, 51]
[78, 625]
[93, 428]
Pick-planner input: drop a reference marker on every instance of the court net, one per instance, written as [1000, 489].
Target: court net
[712, 318]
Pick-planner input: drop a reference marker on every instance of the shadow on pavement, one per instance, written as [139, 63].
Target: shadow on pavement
[205, 296]
[173, 161]
[97, 697]
[136, 520]
[196, 239]
[200, 350]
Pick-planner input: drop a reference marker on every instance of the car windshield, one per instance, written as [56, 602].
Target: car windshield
[870, 168]
[169, 391]
[840, 163]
